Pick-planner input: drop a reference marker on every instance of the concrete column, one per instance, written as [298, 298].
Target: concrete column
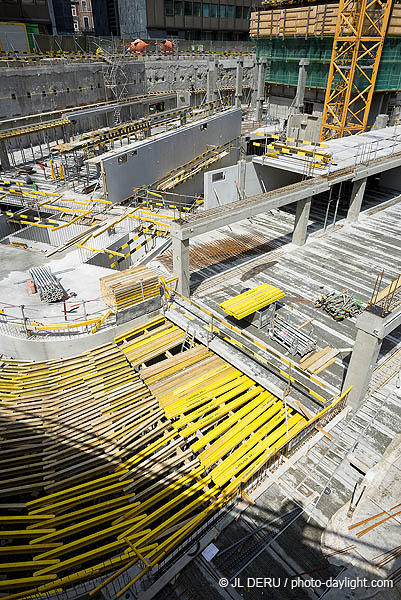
[300, 93]
[355, 203]
[301, 221]
[211, 93]
[371, 328]
[254, 84]
[238, 82]
[363, 361]
[66, 133]
[260, 94]
[241, 177]
[4, 160]
[181, 264]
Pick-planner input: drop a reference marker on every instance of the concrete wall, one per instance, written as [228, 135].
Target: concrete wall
[48, 349]
[220, 185]
[27, 90]
[304, 127]
[4, 227]
[391, 179]
[47, 236]
[144, 162]
[171, 73]
[37, 89]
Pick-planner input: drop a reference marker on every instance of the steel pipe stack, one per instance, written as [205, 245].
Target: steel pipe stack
[49, 288]
[292, 338]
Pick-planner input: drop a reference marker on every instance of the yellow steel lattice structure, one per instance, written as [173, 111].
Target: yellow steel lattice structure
[358, 42]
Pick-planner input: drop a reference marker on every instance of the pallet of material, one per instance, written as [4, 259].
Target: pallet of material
[129, 287]
[312, 20]
[320, 360]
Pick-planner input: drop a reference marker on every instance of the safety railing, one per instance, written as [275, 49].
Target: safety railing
[72, 319]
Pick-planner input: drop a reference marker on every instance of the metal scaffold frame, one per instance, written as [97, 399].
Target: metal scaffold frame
[358, 43]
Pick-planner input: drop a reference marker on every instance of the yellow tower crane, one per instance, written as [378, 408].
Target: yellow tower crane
[358, 43]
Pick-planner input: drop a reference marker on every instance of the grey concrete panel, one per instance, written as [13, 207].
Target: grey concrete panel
[220, 185]
[138, 310]
[144, 162]
[4, 227]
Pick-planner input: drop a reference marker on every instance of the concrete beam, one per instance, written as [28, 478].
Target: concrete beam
[181, 265]
[379, 326]
[301, 221]
[209, 220]
[355, 203]
[377, 165]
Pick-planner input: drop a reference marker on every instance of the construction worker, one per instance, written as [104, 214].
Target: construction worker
[191, 84]
[99, 52]
[167, 46]
[137, 45]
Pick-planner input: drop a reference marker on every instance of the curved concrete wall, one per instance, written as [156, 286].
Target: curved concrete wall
[37, 350]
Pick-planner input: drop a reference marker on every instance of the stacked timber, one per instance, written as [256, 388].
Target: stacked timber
[129, 287]
[306, 21]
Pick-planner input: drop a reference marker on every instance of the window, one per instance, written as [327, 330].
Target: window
[188, 9]
[230, 11]
[308, 108]
[214, 11]
[168, 8]
[122, 159]
[84, 6]
[178, 9]
[218, 176]
[86, 22]
[238, 12]
[205, 10]
[76, 26]
[197, 10]
[223, 11]
[245, 12]
[74, 11]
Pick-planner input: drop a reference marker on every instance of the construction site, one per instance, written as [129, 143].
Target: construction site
[200, 312]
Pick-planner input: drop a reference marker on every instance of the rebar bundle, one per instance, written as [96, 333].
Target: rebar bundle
[49, 287]
[292, 338]
[340, 306]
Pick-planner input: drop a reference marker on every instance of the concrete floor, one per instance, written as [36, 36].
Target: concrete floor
[75, 277]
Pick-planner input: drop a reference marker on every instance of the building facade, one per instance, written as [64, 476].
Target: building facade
[82, 15]
[185, 19]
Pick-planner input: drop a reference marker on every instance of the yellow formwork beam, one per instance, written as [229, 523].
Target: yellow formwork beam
[248, 302]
